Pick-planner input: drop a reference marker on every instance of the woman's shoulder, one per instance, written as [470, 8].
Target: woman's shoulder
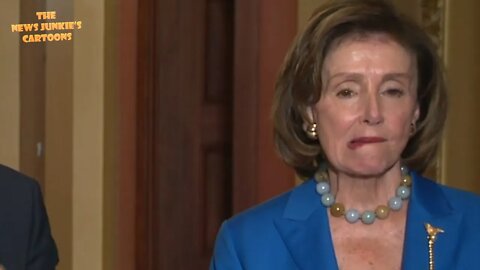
[457, 198]
[253, 238]
[266, 212]
[460, 196]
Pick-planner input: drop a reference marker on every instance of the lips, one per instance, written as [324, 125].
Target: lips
[361, 141]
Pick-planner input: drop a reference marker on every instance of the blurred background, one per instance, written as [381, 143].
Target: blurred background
[152, 125]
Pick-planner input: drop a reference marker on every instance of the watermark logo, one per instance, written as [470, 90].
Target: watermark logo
[47, 29]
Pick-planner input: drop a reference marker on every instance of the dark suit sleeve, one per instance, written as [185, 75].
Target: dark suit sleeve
[42, 251]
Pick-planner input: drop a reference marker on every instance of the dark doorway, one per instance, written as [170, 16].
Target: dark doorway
[206, 73]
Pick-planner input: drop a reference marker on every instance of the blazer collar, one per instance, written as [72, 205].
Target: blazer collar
[305, 230]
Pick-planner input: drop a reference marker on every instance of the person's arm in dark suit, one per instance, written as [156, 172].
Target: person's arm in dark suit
[42, 252]
[26, 242]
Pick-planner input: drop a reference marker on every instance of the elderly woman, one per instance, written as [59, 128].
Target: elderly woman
[359, 108]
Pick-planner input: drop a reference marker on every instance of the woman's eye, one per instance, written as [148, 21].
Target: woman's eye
[345, 93]
[394, 92]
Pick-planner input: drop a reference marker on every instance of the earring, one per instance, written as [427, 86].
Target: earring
[311, 131]
[413, 128]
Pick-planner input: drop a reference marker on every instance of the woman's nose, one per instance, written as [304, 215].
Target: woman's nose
[372, 111]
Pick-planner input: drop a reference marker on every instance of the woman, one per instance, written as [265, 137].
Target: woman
[359, 108]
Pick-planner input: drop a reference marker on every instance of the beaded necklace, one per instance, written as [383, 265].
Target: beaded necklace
[337, 209]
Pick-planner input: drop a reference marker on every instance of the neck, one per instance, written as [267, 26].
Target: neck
[365, 193]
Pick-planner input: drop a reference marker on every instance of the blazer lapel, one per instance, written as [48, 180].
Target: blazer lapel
[429, 205]
[305, 230]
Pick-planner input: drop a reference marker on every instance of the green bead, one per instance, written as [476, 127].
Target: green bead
[337, 209]
[368, 217]
[328, 199]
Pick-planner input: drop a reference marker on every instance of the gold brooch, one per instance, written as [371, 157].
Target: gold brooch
[432, 236]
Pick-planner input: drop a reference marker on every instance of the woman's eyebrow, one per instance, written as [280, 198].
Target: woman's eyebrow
[350, 76]
[354, 76]
[396, 76]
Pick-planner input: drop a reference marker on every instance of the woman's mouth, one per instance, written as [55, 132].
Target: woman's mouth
[361, 141]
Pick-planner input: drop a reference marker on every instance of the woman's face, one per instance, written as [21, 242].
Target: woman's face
[367, 105]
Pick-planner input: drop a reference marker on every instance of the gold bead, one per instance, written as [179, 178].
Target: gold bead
[407, 180]
[337, 209]
[382, 212]
[321, 176]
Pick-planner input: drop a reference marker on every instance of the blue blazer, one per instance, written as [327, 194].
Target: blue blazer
[291, 231]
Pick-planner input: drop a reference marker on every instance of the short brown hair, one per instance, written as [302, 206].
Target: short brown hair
[299, 84]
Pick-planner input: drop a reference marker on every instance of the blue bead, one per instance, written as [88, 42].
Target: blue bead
[322, 188]
[395, 203]
[404, 170]
[352, 215]
[328, 199]
[403, 192]
[368, 217]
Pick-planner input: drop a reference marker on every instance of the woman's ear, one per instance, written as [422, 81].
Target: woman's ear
[413, 123]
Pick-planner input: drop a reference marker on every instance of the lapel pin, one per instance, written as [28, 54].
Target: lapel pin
[432, 236]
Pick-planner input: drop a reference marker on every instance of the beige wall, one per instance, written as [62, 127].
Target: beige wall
[9, 86]
[59, 136]
[74, 148]
[461, 153]
[305, 9]
[88, 125]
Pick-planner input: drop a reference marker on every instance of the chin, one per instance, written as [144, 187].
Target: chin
[368, 169]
